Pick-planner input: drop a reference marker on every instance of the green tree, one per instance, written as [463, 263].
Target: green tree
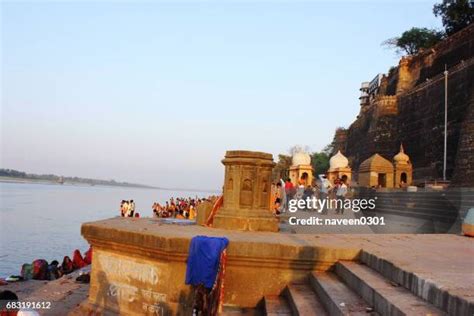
[328, 149]
[455, 15]
[320, 162]
[413, 40]
[280, 171]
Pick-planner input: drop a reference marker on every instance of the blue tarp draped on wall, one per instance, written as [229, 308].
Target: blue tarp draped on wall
[203, 260]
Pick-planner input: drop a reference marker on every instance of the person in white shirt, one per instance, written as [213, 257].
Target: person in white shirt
[131, 209]
[126, 209]
[341, 193]
[324, 192]
[284, 201]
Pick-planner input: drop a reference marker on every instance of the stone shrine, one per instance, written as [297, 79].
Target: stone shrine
[376, 172]
[403, 169]
[301, 168]
[338, 167]
[247, 190]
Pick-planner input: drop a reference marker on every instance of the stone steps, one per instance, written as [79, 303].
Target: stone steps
[236, 311]
[336, 297]
[439, 213]
[426, 289]
[357, 289]
[415, 213]
[387, 298]
[276, 306]
[422, 204]
[303, 301]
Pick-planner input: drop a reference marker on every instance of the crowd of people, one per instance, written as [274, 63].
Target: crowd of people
[179, 208]
[284, 191]
[127, 209]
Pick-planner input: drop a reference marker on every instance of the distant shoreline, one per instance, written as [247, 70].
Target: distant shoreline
[43, 181]
[67, 183]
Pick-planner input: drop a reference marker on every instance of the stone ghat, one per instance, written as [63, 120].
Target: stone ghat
[139, 264]
[441, 211]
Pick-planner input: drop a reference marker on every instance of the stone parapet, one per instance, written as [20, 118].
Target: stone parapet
[139, 264]
[386, 105]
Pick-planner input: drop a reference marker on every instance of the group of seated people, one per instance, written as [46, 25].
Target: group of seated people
[179, 208]
[40, 269]
[127, 209]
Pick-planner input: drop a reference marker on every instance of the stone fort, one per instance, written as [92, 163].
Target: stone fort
[406, 106]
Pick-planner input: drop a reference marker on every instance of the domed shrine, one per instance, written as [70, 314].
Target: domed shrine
[403, 169]
[377, 171]
[301, 168]
[338, 167]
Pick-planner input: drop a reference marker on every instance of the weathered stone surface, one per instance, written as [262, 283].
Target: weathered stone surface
[247, 190]
[139, 264]
[385, 298]
[203, 211]
[336, 297]
[464, 172]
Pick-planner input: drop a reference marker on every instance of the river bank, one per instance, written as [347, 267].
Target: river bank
[73, 183]
[43, 221]
[64, 294]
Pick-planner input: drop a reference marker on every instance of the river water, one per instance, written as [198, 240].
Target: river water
[43, 221]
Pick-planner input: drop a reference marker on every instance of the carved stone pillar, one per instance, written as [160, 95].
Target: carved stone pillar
[247, 189]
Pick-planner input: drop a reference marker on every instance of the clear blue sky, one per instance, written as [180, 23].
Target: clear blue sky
[156, 93]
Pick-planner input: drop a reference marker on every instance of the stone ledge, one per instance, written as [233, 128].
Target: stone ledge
[149, 238]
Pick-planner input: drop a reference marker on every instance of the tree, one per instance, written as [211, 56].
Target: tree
[320, 163]
[455, 15]
[298, 148]
[328, 149]
[280, 171]
[413, 40]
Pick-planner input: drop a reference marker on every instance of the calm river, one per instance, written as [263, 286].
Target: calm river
[43, 221]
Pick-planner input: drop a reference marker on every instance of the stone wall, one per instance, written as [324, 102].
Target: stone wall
[410, 110]
[421, 122]
[464, 172]
[367, 136]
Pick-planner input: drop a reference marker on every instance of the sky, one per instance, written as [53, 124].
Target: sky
[156, 92]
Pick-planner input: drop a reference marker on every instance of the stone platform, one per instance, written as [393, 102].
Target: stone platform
[139, 264]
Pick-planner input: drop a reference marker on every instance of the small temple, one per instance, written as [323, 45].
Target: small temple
[339, 167]
[403, 169]
[378, 171]
[301, 168]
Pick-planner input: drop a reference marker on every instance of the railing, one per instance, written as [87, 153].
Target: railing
[217, 205]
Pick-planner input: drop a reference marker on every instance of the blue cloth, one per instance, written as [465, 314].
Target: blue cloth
[203, 260]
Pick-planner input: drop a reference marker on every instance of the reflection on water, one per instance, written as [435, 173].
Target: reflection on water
[44, 220]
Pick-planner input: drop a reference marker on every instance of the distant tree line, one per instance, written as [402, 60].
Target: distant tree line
[11, 173]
